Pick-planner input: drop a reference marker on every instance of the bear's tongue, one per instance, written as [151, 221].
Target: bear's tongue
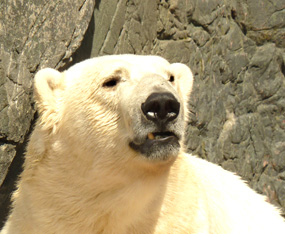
[150, 136]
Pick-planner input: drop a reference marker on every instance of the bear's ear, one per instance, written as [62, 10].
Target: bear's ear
[48, 87]
[184, 79]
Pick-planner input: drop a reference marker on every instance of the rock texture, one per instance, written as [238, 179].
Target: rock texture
[33, 35]
[236, 50]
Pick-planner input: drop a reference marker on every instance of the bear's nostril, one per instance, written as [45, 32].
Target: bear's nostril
[151, 114]
[161, 106]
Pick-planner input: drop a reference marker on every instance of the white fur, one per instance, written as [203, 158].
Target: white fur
[81, 176]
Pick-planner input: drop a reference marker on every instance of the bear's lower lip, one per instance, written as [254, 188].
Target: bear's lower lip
[157, 146]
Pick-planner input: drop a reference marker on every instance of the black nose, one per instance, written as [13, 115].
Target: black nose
[161, 107]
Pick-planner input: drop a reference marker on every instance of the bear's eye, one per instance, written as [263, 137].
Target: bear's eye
[171, 78]
[111, 82]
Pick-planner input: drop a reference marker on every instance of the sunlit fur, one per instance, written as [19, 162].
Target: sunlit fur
[81, 176]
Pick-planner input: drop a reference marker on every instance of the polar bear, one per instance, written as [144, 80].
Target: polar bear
[107, 156]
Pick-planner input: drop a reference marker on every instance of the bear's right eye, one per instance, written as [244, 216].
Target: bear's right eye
[111, 82]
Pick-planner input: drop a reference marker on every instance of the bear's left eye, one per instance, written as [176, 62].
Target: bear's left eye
[111, 82]
[171, 78]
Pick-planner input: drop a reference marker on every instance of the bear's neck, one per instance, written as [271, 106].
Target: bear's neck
[104, 196]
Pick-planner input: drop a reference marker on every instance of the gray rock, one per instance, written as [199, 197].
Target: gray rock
[263, 21]
[7, 154]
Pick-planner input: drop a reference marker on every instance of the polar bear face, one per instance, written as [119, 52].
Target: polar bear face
[127, 105]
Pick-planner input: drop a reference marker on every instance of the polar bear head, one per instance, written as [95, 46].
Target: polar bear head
[121, 106]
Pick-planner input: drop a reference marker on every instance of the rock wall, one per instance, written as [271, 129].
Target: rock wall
[234, 48]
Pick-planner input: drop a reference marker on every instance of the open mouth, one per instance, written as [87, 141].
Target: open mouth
[157, 143]
[160, 136]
